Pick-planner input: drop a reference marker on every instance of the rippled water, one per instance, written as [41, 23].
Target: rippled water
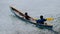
[9, 24]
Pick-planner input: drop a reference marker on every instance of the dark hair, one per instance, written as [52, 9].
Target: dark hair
[41, 16]
[25, 13]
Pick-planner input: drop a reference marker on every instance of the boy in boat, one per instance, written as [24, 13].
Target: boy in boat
[41, 20]
[26, 16]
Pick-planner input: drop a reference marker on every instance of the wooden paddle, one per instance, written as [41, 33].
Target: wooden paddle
[48, 19]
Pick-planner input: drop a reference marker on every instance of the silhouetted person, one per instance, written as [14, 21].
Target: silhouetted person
[26, 16]
[41, 20]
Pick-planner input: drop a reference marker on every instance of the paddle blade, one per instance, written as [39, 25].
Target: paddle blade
[50, 19]
[35, 18]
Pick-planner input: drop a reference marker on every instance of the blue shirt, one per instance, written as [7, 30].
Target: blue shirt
[41, 21]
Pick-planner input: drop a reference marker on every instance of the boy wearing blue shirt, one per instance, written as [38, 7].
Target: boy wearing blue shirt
[41, 20]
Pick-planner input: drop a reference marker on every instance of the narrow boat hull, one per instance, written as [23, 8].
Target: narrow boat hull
[37, 25]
